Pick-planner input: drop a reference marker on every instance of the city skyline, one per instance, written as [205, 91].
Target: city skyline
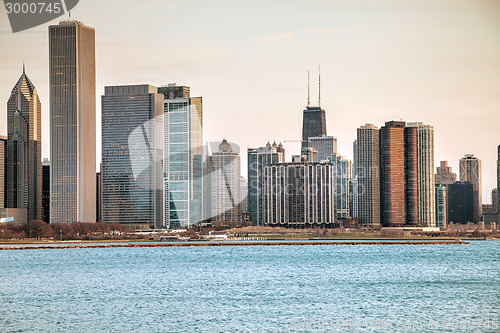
[453, 87]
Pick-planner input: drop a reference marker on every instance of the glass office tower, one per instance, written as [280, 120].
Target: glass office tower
[183, 151]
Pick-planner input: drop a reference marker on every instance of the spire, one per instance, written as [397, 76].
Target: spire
[319, 86]
[308, 90]
[24, 68]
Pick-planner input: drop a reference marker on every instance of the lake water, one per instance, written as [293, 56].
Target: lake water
[365, 288]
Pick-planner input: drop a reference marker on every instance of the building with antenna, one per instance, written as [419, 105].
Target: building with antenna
[314, 118]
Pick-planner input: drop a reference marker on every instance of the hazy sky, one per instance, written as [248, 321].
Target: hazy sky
[435, 61]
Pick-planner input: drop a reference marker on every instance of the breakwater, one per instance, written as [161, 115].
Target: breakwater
[228, 243]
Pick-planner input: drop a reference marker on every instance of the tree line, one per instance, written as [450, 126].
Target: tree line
[75, 231]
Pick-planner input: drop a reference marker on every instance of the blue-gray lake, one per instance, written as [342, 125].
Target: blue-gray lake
[337, 288]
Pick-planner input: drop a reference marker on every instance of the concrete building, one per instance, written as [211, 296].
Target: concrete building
[46, 189]
[244, 194]
[3, 146]
[470, 171]
[132, 142]
[299, 194]
[258, 158]
[392, 174]
[182, 157]
[441, 205]
[23, 176]
[444, 174]
[368, 163]
[342, 177]
[325, 146]
[72, 122]
[426, 204]
[225, 184]
[462, 203]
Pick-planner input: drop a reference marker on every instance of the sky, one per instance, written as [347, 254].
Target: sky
[434, 61]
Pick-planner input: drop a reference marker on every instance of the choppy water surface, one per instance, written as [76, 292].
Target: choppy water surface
[372, 288]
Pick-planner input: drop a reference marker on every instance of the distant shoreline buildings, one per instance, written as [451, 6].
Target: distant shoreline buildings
[156, 172]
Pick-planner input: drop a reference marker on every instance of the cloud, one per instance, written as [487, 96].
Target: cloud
[287, 36]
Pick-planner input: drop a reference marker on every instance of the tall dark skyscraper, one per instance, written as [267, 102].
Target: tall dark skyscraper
[392, 174]
[314, 119]
[72, 122]
[132, 141]
[3, 144]
[24, 149]
[498, 178]
[46, 190]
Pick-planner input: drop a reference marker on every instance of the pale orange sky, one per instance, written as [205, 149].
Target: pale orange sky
[435, 61]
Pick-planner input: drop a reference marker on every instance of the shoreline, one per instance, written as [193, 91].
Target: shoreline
[228, 243]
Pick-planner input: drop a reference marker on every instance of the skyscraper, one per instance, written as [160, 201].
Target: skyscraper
[498, 179]
[325, 146]
[72, 122]
[299, 194]
[392, 174]
[313, 124]
[426, 204]
[182, 157]
[46, 189]
[24, 149]
[132, 141]
[258, 158]
[3, 144]
[441, 205]
[342, 177]
[225, 183]
[444, 174]
[368, 188]
[462, 203]
[470, 171]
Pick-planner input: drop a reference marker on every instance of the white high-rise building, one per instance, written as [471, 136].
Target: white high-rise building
[299, 194]
[72, 122]
[342, 170]
[426, 199]
[223, 168]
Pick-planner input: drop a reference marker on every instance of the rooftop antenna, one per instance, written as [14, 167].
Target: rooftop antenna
[308, 90]
[319, 86]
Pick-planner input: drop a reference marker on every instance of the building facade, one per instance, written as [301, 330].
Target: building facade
[462, 203]
[441, 205]
[325, 146]
[258, 158]
[342, 178]
[3, 146]
[132, 138]
[368, 181]
[470, 171]
[313, 124]
[23, 178]
[182, 157]
[426, 199]
[392, 174]
[72, 122]
[46, 189]
[299, 194]
[444, 174]
[225, 184]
